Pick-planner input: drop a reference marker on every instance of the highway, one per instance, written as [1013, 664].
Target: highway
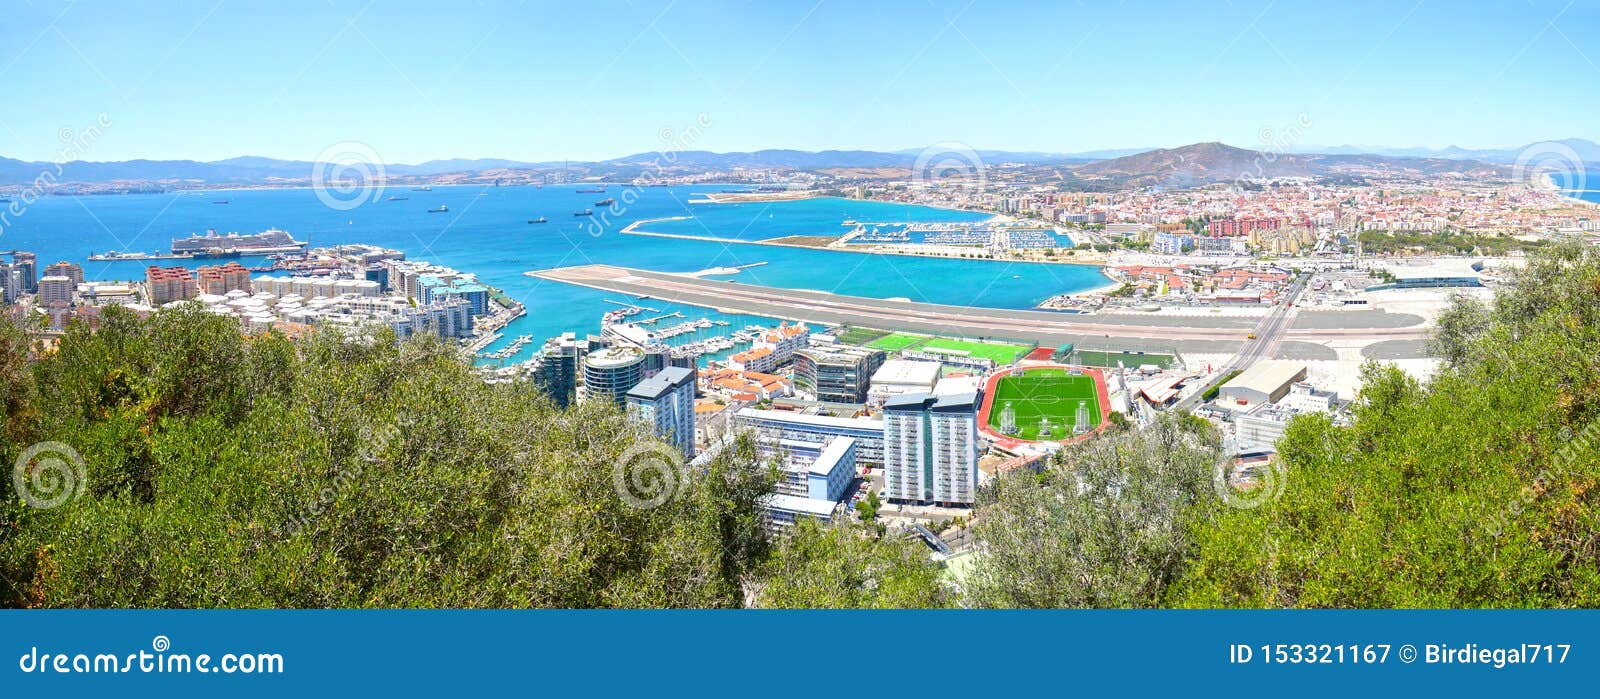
[1268, 334]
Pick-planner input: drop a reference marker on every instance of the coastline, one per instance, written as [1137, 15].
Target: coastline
[634, 229]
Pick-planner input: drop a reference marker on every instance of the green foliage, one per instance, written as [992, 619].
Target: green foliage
[226, 471]
[1442, 243]
[839, 567]
[868, 507]
[1103, 526]
[1480, 489]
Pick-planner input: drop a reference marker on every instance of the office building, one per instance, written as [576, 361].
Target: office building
[665, 403]
[836, 374]
[930, 448]
[898, 376]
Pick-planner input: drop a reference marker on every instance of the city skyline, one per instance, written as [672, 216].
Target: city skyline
[545, 83]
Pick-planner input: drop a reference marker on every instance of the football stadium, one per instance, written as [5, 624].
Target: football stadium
[1044, 403]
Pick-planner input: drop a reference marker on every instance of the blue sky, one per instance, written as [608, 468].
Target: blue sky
[586, 80]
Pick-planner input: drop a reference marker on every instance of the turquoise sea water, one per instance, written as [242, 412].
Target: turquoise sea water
[486, 232]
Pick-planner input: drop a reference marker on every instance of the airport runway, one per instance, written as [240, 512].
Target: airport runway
[1198, 334]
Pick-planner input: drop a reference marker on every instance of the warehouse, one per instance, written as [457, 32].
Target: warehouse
[1264, 382]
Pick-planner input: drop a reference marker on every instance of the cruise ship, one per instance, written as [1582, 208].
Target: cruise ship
[212, 245]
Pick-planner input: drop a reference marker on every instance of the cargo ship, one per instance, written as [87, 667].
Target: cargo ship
[442, 209]
[232, 245]
[541, 219]
[585, 212]
[608, 201]
[596, 190]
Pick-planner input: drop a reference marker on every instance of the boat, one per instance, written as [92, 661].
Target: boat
[423, 188]
[442, 209]
[212, 245]
[541, 219]
[585, 212]
[594, 190]
[220, 201]
[398, 199]
[608, 201]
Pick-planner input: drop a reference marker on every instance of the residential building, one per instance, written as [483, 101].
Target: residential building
[168, 284]
[818, 470]
[665, 403]
[559, 363]
[71, 271]
[1171, 244]
[56, 288]
[223, 279]
[778, 425]
[783, 341]
[930, 448]
[609, 373]
[761, 360]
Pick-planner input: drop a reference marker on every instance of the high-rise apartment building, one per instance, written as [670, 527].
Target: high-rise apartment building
[665, 403]
[930, 448]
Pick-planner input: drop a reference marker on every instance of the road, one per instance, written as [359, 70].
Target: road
[1268, 335]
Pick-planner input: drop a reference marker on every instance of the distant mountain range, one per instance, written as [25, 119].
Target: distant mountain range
[1588, 151]
[1197, 163]
[1203, 163]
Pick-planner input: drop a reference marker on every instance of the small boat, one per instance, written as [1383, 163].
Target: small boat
[608, 201]
[442, 209]
[398, 199]
[585, 212]
[541, 219]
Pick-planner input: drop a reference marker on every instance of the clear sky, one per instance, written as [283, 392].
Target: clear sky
[582, 79]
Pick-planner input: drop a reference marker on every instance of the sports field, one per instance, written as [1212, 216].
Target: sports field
[1044, 394]
[1130, 360]
[859, 336]
[999, 353]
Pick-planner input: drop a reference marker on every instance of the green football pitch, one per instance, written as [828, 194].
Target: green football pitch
[1044, 394]
[999, 353]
